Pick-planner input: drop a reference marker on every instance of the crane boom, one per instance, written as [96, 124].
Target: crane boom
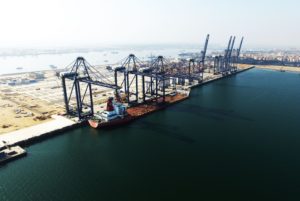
[231, 49]
[240, 47]
[205, 48]
[228, 47]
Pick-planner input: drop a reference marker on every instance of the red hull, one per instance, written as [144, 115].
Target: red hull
[115, 122]
[137, 112]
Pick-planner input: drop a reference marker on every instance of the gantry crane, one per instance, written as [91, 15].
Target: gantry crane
[82, 74]
[229, 58]
[203, 53]
[238, 53]
[225, 64]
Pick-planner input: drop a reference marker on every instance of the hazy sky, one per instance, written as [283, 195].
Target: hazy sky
[264, 23]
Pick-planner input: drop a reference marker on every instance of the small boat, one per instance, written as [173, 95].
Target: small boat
[11, 153]
[53, 67]
[105, 61]
[19, 68]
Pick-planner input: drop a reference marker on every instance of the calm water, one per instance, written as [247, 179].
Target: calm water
[9, 64]
[235, 139]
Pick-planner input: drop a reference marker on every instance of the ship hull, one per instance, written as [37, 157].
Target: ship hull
[109, 124]
[137, 112]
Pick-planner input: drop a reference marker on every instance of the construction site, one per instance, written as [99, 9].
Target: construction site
[80, 89]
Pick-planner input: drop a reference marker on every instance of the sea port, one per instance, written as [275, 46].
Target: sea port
[25, 130]
[29, 101]
[149, 100]
[198, 137]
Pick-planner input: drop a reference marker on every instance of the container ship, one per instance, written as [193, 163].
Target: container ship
[117, 113]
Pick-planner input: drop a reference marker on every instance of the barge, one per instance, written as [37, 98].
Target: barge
[11, 153]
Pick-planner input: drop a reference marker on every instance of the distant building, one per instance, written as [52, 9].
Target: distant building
[18, 81]
[36, 75]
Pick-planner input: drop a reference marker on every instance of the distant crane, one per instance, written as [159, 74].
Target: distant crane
[240, 47]
[238, 53]
[235, 56]
[225, 58]
[229, 59]
[193, 73]
[225, 64]
[203, 53]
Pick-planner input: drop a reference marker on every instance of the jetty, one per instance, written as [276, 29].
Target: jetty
[84, 87]
[60, 124]
[29, 134]
[11, 153]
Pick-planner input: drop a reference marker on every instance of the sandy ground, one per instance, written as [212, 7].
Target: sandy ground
[269, 67]
[18, 111]
[57, 123]
[26, 105]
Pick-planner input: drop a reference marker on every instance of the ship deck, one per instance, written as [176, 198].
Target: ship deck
[143, 109]
[12, 153]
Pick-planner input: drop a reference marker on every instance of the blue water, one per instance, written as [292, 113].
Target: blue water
[234, 139]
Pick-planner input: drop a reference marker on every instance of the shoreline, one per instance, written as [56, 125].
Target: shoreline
[60, 124]
[37, 133]
[275, 68]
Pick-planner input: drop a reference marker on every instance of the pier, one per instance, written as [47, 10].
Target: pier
[84, 88]
[27, 135]
[60, 124]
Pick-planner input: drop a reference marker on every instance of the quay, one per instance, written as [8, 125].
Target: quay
[37, 132]
[144, 81]
[221, 77]
[59, 124]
